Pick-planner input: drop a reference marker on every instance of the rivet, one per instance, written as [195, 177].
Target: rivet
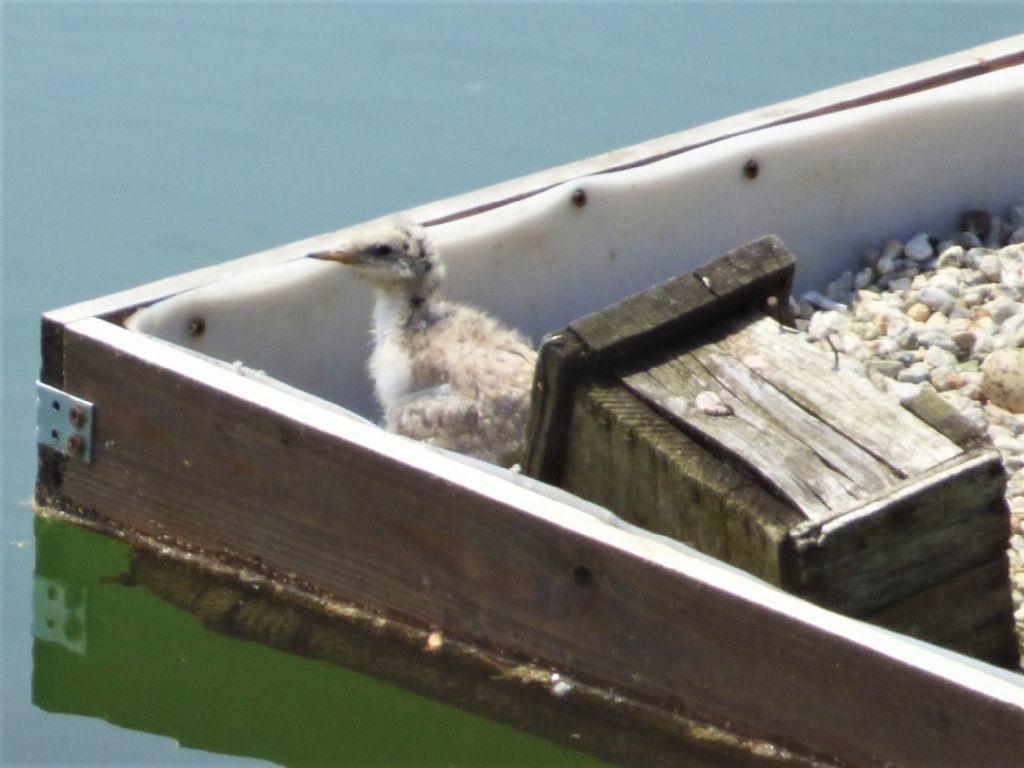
[75, 445]
[77, 416]
[751, 168]
[196, 327]
[579, 198]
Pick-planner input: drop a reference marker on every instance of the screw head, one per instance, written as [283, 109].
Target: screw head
[77, 416]
[75, 445]
[751, 168]
[579, 198]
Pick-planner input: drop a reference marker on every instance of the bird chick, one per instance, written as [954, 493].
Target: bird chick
[445, 373]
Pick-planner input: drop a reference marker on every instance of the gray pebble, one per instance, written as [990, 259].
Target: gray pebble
[964, 341]
[863, 278]
[918, 248]
[885, 264]
[968, 240]
[888, 368]
[937, 339]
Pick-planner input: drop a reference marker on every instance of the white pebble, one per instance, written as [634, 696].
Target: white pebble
[824, 323]
[918, 373]
[936, 299]
[947, 280]
[1011, 326]
[990, 267]
[938, 357]
[1008, 444]
[1002, 308]
[951, 257]
[1003, 382]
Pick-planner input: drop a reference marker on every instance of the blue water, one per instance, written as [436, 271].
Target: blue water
[144, 140]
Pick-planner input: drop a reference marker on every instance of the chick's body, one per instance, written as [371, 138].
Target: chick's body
[445, 373]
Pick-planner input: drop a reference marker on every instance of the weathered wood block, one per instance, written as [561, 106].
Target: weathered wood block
[691, 410]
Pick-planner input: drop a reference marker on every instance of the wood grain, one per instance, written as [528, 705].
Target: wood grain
[846, 402]
[669, 484]
[664, 314]
[927, 529]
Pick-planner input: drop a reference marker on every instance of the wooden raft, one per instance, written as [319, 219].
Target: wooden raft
[692, 411]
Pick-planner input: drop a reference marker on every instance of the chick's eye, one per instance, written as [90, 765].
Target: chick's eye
[381, 250]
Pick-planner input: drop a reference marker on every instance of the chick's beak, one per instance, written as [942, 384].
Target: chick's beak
[342, 255]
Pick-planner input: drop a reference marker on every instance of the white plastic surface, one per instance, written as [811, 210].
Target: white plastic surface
[828, 186]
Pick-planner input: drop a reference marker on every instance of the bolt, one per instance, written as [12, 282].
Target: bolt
[77, 417]
[751, 169]
[579, 198]
[75, 445]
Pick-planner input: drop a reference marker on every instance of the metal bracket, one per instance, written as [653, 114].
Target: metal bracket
[64, 422]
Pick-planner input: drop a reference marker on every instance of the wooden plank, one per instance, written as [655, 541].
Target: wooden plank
[673, 309]
[826, 440]
[859, 565]
[740, 375]
[750, 436]
[561, 361]
[970, 612]
[851, 404]
[599, 721]
[187, 453]
[669, 484]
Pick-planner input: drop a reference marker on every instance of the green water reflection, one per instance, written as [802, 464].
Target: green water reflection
[106, 650]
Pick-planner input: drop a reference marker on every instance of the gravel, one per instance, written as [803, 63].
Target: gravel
[942, 312]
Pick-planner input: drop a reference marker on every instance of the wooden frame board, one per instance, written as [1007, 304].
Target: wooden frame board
[188, 454]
